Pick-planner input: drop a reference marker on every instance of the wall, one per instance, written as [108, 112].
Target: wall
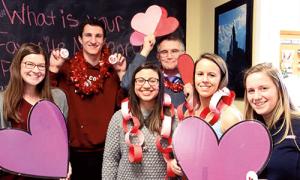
[200, 29]
[269, 17]
[200, 26]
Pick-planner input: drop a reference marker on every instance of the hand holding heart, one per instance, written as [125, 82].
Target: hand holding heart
[154, 21]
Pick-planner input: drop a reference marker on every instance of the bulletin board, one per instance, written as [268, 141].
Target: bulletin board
[290, 52]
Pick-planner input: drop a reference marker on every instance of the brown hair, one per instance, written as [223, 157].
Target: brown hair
[15, 88]
[154, 118]
[220, 63]
[91, 22]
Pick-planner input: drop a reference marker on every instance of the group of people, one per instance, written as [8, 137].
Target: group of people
[133, 136]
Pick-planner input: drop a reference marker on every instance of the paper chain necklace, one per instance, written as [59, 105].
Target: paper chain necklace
[135, 151]
[220, 99]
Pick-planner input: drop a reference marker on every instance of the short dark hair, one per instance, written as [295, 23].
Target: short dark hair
[92, 22]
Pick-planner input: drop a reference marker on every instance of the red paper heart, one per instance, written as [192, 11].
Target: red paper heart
[166, 26]
[186, 68]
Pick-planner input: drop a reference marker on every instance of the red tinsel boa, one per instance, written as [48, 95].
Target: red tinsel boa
[175, 87]
[84, 83]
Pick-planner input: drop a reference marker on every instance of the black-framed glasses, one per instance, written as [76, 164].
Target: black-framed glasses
[31, 65]
[151, 81]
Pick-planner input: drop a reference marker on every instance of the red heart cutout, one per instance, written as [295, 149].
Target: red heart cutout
[166, 26]
[186, 68]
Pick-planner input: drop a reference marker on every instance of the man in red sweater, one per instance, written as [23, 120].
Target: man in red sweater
[92, 86]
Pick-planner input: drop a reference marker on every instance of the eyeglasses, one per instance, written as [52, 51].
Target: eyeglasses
[31, 65]
[151, 81]
[173, 52]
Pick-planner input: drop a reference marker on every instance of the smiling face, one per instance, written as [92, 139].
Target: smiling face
[168, 53]
[146, 85]
[262, 94]
[207, 78]
[92, 40]
[33, 69]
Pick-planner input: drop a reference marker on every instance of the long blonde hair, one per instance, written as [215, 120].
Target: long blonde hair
[15, 88]
[284, 108]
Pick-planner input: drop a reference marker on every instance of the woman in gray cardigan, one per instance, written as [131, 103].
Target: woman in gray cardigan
[137, 143]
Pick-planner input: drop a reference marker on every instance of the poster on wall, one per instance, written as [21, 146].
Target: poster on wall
[290, 63]
[233, 34]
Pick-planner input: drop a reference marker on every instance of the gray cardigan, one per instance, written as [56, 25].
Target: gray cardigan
[115, 159]
[59, 98]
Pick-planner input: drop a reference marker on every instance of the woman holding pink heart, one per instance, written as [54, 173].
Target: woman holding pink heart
[267, 100]
[29, 83]
[214, 100]
[138, 141]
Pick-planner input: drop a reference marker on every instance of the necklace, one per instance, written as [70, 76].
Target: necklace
[84, 83]
[175, 87]
[220, 99]
[135, 151]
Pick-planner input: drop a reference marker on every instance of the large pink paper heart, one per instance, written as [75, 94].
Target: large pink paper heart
[146, 23]
[186, 68]
[41, 152]
[244, 147]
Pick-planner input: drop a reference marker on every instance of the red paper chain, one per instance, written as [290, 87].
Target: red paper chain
[135, 153]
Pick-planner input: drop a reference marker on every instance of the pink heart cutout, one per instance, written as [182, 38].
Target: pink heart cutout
[153, 21]
[146, 23]
[42, 152]
[186, 68]
[244, 147]
[137, 39]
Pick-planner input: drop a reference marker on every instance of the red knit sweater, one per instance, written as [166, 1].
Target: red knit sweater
[88, 117]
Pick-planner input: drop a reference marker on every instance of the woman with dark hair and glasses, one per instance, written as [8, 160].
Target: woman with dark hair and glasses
[138, 141]
[28, 84]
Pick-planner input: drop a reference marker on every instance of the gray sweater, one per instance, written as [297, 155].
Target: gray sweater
[59, 98]
[115, 159]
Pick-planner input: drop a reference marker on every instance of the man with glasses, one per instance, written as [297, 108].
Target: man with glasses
[168, 50]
